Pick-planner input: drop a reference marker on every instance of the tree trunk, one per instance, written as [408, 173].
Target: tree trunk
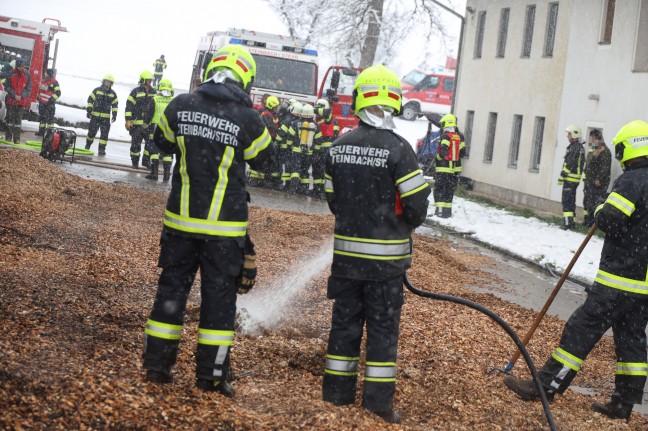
[373, 33]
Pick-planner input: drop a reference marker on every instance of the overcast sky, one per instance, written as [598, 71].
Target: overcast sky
[124, 37]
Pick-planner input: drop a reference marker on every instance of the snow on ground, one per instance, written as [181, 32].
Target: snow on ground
[528, 238]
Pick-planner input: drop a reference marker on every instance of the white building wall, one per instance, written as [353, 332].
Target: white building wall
[513, 85]
[563, 89]
[605, 71]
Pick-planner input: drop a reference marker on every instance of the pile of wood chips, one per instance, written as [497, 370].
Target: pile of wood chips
[77, 280]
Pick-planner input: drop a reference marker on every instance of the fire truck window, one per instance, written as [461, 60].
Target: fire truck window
[285, 75]
[12, 47]
[345, 87]
[414, 77]
[448, 85]
[429, 83]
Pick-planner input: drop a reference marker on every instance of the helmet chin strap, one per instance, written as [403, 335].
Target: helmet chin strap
[377, 116]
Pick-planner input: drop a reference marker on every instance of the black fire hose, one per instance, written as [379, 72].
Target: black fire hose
[507, 328]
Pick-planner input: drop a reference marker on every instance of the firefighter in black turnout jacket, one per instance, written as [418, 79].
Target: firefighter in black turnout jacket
[140, 108]
[102, 105]
[448, 165]
[376, 191]
[213, 131]
[618, 299]
[596, 177]
[571, 174]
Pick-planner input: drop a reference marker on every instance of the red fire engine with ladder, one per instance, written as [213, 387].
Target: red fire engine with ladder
[286, 68]
[30, 41]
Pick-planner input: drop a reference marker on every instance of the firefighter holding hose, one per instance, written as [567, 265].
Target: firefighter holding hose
[376, 191]
[618, 298]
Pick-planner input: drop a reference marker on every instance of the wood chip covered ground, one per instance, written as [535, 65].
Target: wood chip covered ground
[78, 276]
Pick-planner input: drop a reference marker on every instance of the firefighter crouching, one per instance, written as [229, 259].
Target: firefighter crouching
[214, 131]
[162, 99]
[48, 94]
[448, 165]
[618, 298]
[376, 191]
[140, 107]
[330, 132]
[303, 134]
[101, 107]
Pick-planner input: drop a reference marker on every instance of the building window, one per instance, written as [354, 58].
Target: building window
[470, 116]
[490, 137]
[607, 22]
[641, 47]
[479, 36]
[538, 136]
[503, 32]
[528, 31]
[515, 141]
[550, 36]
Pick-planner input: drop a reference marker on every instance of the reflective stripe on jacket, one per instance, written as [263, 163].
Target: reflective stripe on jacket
[213, 131]
[572, 169]
[48, 90]
[102, 103]
[378, 195]
[624, 219]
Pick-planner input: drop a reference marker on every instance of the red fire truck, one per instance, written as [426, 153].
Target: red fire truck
[32, 42]
[286, 68]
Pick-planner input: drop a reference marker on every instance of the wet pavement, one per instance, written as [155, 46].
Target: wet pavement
[514, 280]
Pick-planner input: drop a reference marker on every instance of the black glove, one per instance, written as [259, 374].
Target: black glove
[114, 118]
[88, 114]
[247, 277]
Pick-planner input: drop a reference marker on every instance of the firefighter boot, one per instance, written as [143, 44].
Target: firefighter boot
[88, 144]
[615, 409]
[389, 416]
[446, 213]
[155, 166]
[526, 389]
[158, 377]
[102, 150]
[569, 223]
[146, 161]
[224, 387]
[135, 161]
[166, 175]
